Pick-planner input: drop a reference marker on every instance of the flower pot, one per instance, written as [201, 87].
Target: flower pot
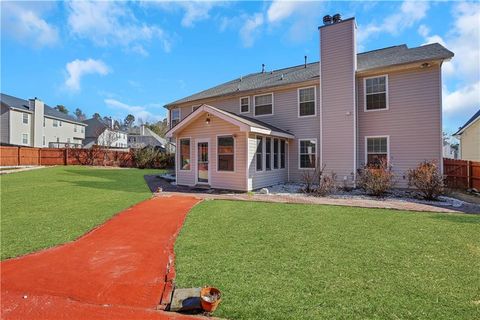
[210, 298]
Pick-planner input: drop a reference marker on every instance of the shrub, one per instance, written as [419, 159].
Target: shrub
[427, 179]
[150, 157]
[376, 179]
[326, 183]
[308, 178]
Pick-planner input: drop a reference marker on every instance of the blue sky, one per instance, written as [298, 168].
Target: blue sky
[118, 57]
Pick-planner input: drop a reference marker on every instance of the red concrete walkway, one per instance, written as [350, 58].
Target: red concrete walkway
[117, 271]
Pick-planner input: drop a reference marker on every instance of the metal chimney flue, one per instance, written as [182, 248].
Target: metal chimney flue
[305, 57]
[263, 67]
[327, 20]
[337, 18]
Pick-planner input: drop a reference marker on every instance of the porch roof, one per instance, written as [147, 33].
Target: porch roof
[246, 124]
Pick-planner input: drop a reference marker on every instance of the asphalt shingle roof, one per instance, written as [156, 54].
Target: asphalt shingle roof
[21, 104]
[473, 118]
[381, 58]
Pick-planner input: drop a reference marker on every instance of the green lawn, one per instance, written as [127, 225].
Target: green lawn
[45, 207]
[277, 261]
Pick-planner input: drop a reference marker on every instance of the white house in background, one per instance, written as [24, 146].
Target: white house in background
[104, 134]
[33, 123]
[450, 150]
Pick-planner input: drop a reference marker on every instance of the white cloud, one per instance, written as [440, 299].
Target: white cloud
[464, 40]
[22, 21]
[280, 10]
[463, 101]
[249, 30]
[140, 112]
[78, 68]
[410, 12]
[113, 23]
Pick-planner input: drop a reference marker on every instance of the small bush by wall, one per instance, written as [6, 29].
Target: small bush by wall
[427, 179]
[376, 179]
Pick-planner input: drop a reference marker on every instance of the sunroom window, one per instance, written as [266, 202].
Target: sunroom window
[184, 154]
[225, 152]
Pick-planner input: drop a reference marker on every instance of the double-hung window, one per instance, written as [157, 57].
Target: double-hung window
[306, 102]
[263, 104]
[268, 154]
[244, 104]
[376, 150]
[74, 128]
[55, 123]
[175, 117]
[282, 154]
[184, 154]
[259, 154]
[308, 153]
[376, 93]
[226, 153]
[25, 118]
[276, 144]
[25, 138]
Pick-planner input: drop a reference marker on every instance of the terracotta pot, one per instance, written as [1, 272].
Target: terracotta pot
[210, 298]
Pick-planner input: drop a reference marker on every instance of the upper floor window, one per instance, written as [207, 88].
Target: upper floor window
[25, 138]
[55, 123]
[376, 150]
[60, 123]
[184, 154]
[175, 117]
[376, 93]
[82, 129]
[25, 118]
[225, 153]
[244, 104]
[44, 122]
[307, 153]
[263, 104]
[74, 128]
[306, 102]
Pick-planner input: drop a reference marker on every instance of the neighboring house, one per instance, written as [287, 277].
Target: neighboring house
[104, 134]
[141, 137]
[345, 111]
[469, 136]
[450, 150]
[35, 124]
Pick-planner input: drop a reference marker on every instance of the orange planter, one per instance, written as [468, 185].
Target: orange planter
[210, 298]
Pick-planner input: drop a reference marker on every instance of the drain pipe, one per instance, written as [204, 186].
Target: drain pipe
[288, 160]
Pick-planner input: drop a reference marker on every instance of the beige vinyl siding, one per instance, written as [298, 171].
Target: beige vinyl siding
[285, 117]
[338, 62]
[197, 130]
[470, 142]
[260, 179]
[412, 122]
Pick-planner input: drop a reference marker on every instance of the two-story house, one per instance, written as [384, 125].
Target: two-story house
[142, 136]
[35, 124]
[104, 134]
[469, 137]
[344, 111]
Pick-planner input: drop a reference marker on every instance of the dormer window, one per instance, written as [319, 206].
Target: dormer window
[175, 117]
[376, 93]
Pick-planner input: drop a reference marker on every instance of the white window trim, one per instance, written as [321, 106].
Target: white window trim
[55, 121]
[365, 93]
[23, 117]
[299, 154]
[179, 116]
[180, 154]
[234, 152]
[255, 106]
[263, 152]
[28, 139]
[197, 141]
[314, 100]
[240, 104]
[366, 147]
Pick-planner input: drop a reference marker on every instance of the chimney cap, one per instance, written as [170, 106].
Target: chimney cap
[337, 18]
[327, 19]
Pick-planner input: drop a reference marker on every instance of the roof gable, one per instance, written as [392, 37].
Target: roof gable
[470, 121]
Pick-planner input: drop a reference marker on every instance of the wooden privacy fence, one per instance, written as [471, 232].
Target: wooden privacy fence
[461, 174]
[19, 156]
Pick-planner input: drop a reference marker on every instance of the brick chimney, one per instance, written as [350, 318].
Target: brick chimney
[338, 63]
[37, 123]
